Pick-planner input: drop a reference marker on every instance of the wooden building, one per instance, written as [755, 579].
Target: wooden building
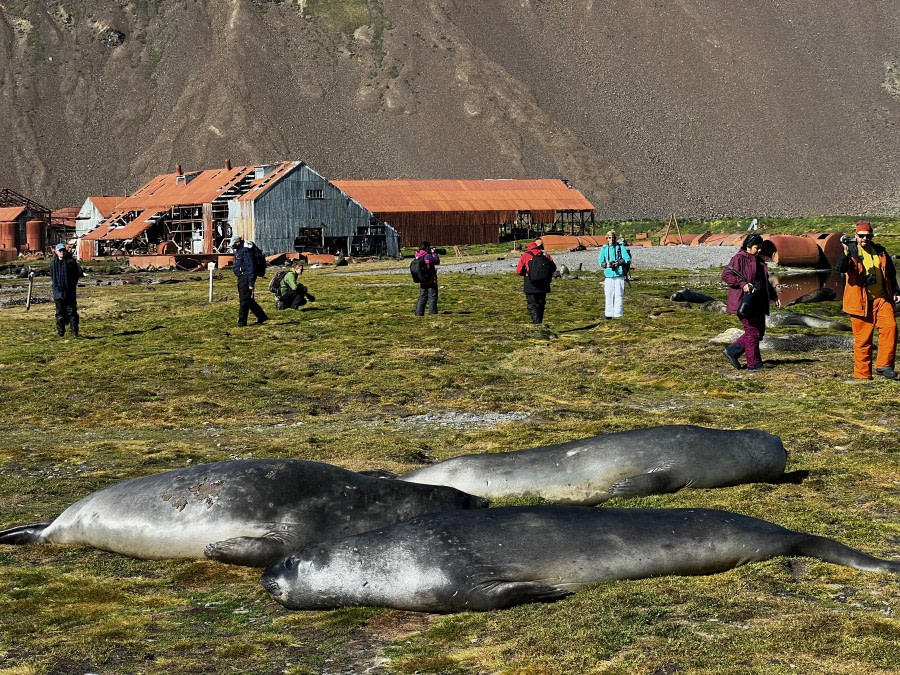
[473, 211]
[281, 207]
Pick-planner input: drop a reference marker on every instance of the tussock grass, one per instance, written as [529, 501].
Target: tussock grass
[162, 378]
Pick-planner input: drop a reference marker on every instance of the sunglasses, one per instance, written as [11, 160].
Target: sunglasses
[864, 236]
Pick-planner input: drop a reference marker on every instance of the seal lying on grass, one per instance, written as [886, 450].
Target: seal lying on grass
[496, 558]
[245, 512]
[793, 319]
[623, 464]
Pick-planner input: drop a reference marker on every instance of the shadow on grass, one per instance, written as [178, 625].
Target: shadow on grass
[792, 478]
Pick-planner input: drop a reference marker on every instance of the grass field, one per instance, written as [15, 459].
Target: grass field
[161, 378]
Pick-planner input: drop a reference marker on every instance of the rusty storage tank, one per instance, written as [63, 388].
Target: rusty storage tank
[8, 234]
[34, 235]
[795, 251]
[677, 239]
[829, 243]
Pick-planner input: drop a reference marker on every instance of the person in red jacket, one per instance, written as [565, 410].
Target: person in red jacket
[870, 293]
[747, 275]
[538, 276]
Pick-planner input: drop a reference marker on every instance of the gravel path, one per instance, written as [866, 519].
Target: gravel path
[649, 257]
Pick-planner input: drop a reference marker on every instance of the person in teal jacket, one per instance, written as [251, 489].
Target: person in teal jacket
[612, 260]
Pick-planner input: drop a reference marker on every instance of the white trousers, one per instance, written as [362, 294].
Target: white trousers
[615, 295]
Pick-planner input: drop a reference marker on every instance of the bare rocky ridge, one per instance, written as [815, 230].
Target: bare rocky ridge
[699, 107]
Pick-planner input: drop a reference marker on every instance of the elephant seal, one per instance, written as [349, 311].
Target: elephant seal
[622, 464]
[497, 558]
[795, 342]
[777, 319]
[246, 512]
[819, 295]
[687, 295]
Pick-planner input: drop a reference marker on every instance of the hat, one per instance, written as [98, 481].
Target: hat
[863, 226]
[611, 233]
[236, 238]
[60, 247]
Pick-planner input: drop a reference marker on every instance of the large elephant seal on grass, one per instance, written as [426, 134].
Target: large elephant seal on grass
[246, 512]
[786, 318]
[496, 558]
[623, 464]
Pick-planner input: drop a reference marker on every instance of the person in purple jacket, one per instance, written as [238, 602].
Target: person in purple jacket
[747, 276]
[428, 289]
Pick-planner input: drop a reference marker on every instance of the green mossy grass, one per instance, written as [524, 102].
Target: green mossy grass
[162, 378]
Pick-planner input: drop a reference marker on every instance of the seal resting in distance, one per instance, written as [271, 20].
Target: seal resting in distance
[245, 512]
[497, 558]
[633, 463]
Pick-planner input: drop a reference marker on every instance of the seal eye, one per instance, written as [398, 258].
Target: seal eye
[288, 563]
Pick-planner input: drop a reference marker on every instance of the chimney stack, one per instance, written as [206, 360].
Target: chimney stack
[178, 171]
[228, 165]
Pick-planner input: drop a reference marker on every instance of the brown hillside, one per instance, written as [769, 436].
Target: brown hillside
[694, 106]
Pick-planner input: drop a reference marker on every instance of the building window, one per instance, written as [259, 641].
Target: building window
[315, 194]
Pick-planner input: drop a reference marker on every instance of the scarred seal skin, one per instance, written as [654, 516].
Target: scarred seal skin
[633, 463]
[246, 512]
[497, 558]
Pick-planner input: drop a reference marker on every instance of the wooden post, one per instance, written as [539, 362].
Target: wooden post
[30, 288]
[211, 267]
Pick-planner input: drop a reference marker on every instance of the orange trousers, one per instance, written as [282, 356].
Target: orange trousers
[880, 316]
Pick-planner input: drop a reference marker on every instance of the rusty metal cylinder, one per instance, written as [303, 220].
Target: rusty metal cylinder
[8, 234]
[34, 235]
[795, 251]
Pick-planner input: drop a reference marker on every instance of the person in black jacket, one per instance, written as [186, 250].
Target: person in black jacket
[246, 275]
[536, 286]
[64, 276]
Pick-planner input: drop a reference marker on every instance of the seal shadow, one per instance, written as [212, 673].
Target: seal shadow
[577, 328]
[123, 333]
[789, 362]
[792, 478]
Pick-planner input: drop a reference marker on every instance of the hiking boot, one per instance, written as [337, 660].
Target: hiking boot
[311, 297]
[732, 359]
[887, 372]
[755, 369]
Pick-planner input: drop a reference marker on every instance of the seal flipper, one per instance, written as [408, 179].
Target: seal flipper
[503, 594]
[24, 534]
[249, 551]
[645, 484]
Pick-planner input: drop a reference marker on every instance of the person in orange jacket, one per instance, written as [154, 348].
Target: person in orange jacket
[870, 293]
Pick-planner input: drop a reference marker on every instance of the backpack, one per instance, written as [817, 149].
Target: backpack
[419, 270]
[541, 268]
[275, 284]
[259, 261]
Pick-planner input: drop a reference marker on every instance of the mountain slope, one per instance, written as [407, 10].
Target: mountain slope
[695, 106]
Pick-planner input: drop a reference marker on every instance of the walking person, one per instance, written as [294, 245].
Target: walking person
[428, 286]
[537, 267]
[246, 273]
[614, 260]
[870, 294]
[749, 293]
[64, 275]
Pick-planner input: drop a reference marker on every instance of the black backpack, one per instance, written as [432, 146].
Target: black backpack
[259, 261]
[275, 284]
[541, 268]
[419, 270]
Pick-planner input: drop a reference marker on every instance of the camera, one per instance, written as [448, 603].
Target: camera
[845, 240]
[871, 279]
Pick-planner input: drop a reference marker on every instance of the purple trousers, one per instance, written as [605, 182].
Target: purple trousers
[748, 343]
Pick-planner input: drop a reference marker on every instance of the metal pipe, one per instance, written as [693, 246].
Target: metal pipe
[30, 288]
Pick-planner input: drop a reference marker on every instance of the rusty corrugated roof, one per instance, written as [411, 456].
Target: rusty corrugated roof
[106, 205]
[135, 227]
[9, 213]
[260, 185]
[395, 196]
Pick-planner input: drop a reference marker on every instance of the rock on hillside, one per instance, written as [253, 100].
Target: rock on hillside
[695, 106]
